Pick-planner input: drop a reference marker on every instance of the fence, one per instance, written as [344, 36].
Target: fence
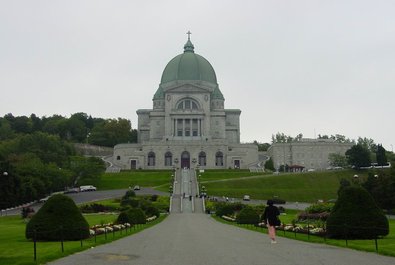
[60, 231]
[307, 232]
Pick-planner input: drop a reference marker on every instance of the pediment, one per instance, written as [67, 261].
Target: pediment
[185, 87]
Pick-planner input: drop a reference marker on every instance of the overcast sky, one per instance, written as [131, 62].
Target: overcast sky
[305, 66]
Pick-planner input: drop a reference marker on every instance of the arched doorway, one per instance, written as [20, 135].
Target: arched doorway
[185, 160]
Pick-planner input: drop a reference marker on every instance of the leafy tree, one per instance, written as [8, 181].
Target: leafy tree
[337, 160]
[6, 131]
[381, 156]
[367, 143]
[382, 188]
[262, 147]
[358, 156]
[337, 138]
[269, 164]
[86, 170]
[282, 138]
[111, 132]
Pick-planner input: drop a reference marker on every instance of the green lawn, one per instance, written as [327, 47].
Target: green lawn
[125, 179]
[302, 187]
[210, 175]
[12, 238]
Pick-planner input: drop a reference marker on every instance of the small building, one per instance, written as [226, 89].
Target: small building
[306, 154]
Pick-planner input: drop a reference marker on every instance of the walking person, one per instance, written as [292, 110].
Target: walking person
[270, 217]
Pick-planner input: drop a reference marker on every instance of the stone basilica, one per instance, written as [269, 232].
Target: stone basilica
[188, 125]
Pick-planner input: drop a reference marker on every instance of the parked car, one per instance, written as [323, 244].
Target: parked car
[246, 198]
[72, 190]
[44, 199]
[137, 187]
[87, 188]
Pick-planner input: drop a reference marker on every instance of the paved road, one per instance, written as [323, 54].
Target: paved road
[84, 197]
[197, 239]
[193, 238]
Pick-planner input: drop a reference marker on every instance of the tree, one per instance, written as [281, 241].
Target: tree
[367, 143]
[382, 188]
[356, 215]
[337, 160]
[269, 164]
[358, 156]
[282, 138]
[381, 156]
[262, 147]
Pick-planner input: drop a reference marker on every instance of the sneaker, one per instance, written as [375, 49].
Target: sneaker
[273, 242]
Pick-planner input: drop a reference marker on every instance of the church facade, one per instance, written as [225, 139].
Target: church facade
[188, 125]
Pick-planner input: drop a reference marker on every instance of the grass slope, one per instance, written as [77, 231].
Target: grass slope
[125, 179]
[303, 187]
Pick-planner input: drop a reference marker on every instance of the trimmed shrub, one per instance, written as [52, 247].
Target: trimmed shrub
[59, 218]
[130, 202]
[123, 217]
[129, 194]
[247, 216]
[320, 208]
[136, 216]
[356, 215]
[152, 211]
[228, 209]
[95, 208]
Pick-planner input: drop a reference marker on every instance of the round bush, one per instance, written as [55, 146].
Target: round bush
[357, 216]
[247, 216]
[59, 218]
[123, 217]
[228, 209]
[136, 216]
[152, 211]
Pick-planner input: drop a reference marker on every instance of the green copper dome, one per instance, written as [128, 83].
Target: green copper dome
[189, 66]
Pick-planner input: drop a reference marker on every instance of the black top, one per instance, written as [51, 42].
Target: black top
[270, 214]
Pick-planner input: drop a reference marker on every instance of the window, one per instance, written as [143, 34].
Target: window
[202, 158]
[219, 159]
[187, 127]
[151, 159]
[194, 127]
[168, 159]
[118, 157]
[188, 104]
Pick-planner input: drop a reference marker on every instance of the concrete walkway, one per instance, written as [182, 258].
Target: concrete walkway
[197, 239]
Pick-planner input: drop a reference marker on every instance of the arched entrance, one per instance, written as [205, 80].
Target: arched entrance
[185, 160]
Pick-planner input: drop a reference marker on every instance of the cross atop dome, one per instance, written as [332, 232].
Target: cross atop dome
[188, 47]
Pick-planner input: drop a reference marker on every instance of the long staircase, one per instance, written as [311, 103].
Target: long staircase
[185, 197]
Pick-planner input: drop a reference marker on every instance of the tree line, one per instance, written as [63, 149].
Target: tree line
[79, 128]
[37, 155]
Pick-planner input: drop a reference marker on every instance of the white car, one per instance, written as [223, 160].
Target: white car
[246, 198]
[87, 188]
[44, 199]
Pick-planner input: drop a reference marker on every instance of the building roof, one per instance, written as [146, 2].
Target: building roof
[190, 67]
